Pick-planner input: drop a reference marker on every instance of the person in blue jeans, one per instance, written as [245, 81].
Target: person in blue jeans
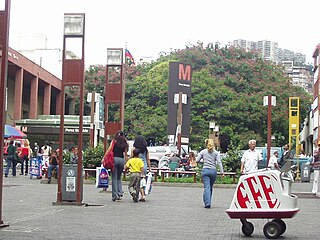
[120, 150]
[210, 158]
[11, 160]
[141, 144]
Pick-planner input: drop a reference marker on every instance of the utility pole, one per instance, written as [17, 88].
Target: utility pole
[269, 101]
[179, 121]
[92, 129]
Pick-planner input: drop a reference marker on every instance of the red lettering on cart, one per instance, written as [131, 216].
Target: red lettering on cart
[252, 192]
[255, 194]
[242, 199]
[267, 191]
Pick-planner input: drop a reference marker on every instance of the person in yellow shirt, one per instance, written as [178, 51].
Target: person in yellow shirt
[136, 167]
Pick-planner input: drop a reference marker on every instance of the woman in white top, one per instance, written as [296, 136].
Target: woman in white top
[46, 151]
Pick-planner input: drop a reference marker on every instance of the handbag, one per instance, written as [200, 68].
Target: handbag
[148, 183]
[108, 159]
[102, 177]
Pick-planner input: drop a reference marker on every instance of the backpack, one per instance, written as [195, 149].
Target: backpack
[108, 159]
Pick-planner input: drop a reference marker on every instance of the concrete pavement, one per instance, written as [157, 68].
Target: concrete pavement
[170, 212]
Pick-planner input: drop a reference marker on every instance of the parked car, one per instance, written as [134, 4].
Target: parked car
[157, 152]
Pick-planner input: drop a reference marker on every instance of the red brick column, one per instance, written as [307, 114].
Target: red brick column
[58, 103]
[47, 99]
[34, 98]
[18, 94]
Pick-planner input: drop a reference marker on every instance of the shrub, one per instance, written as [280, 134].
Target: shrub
[92, 156]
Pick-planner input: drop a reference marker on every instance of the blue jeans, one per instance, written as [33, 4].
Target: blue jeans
[50, 168]
[209, 176]
[116, 177]
[11, 163]
[24, 162]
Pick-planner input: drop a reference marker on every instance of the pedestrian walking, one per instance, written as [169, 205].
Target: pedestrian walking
[250, 159]
[120, 150]
[211, 159]
[11, 159]
[316, 170]
[136, 167]
[141, 144]
[25, 155]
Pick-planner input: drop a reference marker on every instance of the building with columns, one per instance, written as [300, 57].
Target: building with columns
[315, 105]
[31, 90]
[33, 103]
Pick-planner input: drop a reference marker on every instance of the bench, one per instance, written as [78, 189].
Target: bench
[89, 172]
[174, 173]
[231, 174]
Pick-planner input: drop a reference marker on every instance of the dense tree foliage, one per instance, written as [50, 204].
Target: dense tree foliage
[228, 86]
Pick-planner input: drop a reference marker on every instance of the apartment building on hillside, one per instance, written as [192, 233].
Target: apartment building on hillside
[293, 62]
[270, 51]
[300, 76]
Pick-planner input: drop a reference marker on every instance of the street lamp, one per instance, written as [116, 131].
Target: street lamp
[72, 75]
[4, 39]
[114, 92]
[74, 24]
[114, 57]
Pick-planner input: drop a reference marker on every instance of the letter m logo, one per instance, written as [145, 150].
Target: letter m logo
[184, 72]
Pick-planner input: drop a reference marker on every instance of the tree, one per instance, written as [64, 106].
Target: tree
[227, 83]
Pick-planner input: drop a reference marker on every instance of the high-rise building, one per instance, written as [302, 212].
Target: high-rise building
[267, 49]
[270, 51]
[300, 76]
[293, 62]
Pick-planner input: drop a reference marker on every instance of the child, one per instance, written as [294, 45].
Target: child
[136, 168]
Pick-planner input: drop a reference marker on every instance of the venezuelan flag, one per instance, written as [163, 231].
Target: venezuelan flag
[128, 55]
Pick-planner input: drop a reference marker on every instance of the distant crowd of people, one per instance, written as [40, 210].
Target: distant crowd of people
[48, 159]
[138, 163]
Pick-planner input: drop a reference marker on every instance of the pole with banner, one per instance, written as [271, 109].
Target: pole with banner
[179, 103]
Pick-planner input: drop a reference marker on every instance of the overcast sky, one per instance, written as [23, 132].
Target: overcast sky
[149, 27]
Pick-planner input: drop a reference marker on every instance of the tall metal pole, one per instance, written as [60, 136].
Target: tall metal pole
[4, 39]
[269, 129]
[179, 121]
[92, 130]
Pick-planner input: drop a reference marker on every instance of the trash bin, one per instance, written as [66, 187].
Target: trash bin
[69, 183]
[305, 172]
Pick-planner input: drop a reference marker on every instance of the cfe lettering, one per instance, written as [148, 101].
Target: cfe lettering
[257, 192]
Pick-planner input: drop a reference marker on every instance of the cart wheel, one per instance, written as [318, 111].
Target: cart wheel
[282, 224]
[272, 230]
[30, 176]
[247, 229]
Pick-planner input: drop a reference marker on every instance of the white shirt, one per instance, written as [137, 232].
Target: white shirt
[272, 161]
[250, 160]
[47, 151]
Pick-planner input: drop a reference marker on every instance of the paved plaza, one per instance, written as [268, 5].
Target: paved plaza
[170, 212]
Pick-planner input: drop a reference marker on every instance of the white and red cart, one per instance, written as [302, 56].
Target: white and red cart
[264, 194]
